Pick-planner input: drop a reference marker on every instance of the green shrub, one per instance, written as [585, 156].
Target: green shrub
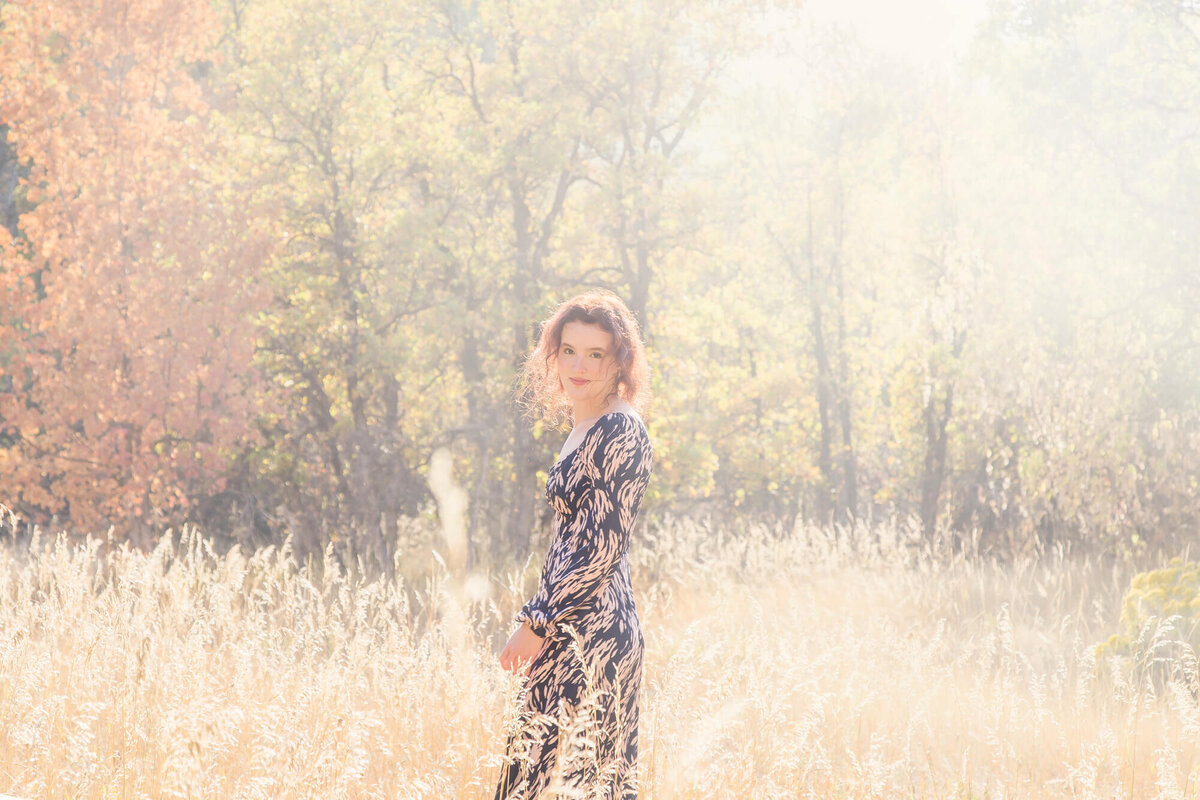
[1160, 618]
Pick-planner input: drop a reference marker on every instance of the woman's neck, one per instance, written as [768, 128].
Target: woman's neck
[585, 415]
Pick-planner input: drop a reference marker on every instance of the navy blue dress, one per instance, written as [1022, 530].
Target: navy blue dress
[584, 608]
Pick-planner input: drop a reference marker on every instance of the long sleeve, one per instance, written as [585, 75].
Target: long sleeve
[616, 463]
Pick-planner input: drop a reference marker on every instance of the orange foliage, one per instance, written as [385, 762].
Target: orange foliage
[125, 350]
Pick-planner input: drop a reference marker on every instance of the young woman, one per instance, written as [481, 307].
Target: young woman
[579, 640]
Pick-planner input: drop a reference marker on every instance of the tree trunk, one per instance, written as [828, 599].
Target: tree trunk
[9, 179]
[524, 485]
[933, 472]
[825, 492]
[848, 459]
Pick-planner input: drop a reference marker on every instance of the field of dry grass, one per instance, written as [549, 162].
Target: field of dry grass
[806, 665]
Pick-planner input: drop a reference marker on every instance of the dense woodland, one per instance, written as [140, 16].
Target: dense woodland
[260, 260]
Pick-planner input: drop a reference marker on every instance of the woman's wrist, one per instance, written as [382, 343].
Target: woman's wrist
[537, 630]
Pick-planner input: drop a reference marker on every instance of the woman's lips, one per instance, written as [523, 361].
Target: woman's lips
[578, 381]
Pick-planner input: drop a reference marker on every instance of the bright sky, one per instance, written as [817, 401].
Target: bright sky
[925, 33]
[921, 31]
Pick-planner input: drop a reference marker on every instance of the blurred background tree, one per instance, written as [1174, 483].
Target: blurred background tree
[263, 258]
[130, 289]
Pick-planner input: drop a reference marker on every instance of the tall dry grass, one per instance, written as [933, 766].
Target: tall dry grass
[807, 663]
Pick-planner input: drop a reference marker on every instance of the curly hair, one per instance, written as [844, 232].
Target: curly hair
[540, 390]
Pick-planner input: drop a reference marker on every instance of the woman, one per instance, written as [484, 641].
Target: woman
[579, 640]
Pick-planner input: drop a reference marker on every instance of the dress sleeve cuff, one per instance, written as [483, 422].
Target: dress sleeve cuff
[537, 621]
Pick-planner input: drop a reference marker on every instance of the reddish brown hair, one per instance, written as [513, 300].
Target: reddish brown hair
[541, 391]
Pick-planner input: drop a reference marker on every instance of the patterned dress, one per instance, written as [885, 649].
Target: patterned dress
[579, 715]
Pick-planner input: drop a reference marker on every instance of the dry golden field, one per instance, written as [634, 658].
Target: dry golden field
[807, 665]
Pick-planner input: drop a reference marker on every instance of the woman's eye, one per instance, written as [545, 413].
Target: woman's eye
[567, 351]
[597, 355]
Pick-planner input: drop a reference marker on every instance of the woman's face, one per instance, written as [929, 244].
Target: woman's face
[586, 364]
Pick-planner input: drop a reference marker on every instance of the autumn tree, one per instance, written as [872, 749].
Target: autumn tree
[128, 285]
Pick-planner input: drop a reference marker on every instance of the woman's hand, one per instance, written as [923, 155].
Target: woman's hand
[522, 648]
